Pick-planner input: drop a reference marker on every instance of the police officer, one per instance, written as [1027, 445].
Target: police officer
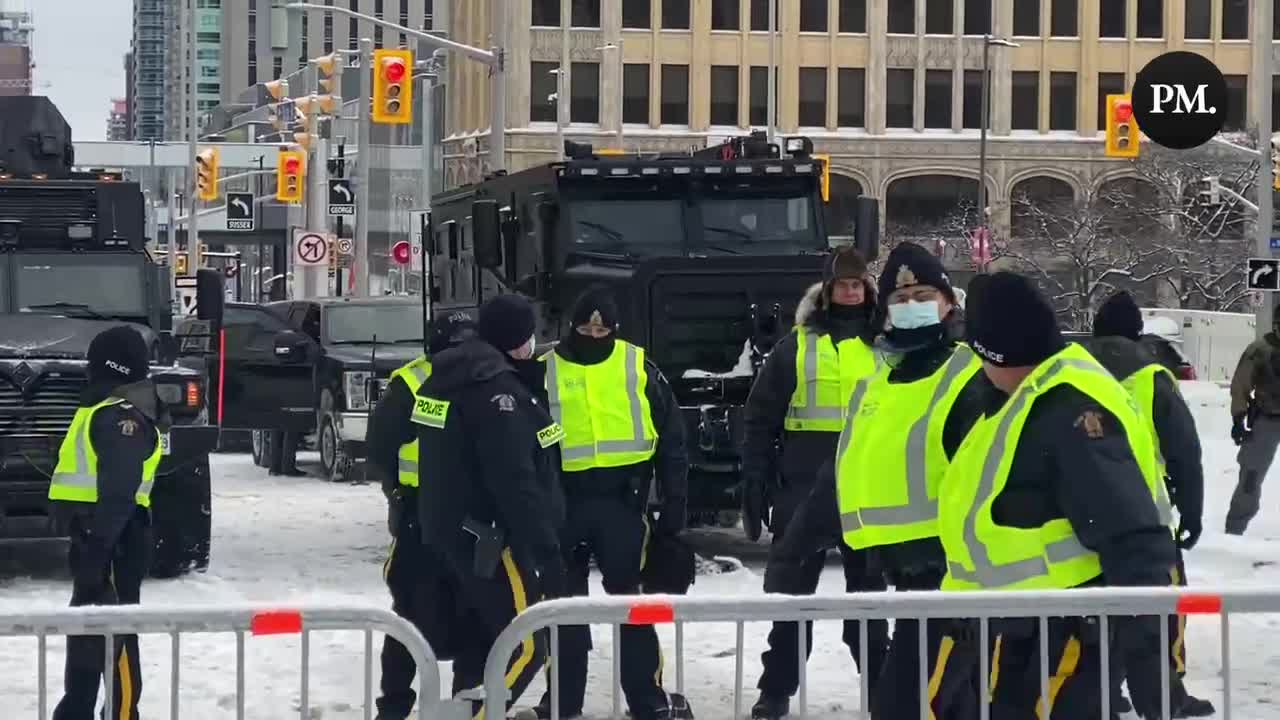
[904, 425]
[1054, 488]
[622, 429]
[420, 591]
[101, 487]
[792, 420]
[1117, 328]
[488, 492]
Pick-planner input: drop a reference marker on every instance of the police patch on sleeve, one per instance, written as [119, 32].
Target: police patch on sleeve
[550, 435]
[429, 411]
[1090, 421]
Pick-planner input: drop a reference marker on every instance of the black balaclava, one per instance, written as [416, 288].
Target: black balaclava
[595, 306]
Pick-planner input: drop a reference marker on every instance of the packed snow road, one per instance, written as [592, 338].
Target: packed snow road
[280, 540]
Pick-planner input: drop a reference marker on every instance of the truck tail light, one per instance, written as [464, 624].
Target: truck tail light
[193, 395]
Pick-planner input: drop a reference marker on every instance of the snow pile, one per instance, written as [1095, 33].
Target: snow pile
[741, 369]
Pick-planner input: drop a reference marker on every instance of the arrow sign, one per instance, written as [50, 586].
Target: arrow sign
[342, 201]
[311, 248]
[239, 211]
[1264, 274]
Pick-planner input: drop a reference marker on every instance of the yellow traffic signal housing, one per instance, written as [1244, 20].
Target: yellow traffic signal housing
[825, 169]
[291, 169]
[180, 264]
[207, 174]
[1122, 127]
[393, 87]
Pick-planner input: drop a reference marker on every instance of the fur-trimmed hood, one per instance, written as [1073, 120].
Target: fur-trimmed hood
[811, 311]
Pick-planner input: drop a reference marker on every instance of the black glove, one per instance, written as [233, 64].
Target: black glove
[397, 512]
[1239, 434]
[1189, 529]
[672, 516]
[89, 568]
[755, 502]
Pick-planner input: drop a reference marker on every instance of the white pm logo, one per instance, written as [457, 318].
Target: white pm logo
[1183, 101]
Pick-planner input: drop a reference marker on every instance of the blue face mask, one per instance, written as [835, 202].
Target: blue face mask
[912, 315]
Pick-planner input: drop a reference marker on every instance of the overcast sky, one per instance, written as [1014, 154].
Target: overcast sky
[79, 54]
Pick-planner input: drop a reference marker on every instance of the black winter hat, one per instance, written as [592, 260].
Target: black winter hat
[1013, 325]
[973, 295]
[118, 356]
[1119, 316]
[507, 321]
[596, 304]
[911, 264]
[843, 262]
[449, 330]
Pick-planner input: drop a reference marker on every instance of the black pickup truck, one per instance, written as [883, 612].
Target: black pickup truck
[309, 367]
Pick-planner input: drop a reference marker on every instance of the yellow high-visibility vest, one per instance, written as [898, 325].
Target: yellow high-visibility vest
[602, 409]
[982, 554]
[825, 376]
[1142, 386]
[75, 477]
[890, 458]
[413, 374]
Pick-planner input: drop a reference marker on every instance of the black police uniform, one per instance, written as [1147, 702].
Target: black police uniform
[779, 468]
[1072, 461]
[420, 589]
[608, 519]
[111, 538]
[489, 499]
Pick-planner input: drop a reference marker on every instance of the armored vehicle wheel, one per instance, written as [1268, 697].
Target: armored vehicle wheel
[181, 511]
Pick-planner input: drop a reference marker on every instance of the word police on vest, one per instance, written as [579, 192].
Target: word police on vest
[1180, 100]
[430, 412]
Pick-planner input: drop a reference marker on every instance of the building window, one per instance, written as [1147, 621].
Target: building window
[1111, 19]
[1062, 101]
[813, 97]
[253, 74]
[1235, 19]
[758, 110]
[813, 16]
[546, 13]
[328, 33]
[675, 92]
[937, 99]
[404, 17]
[902, 18]
[636, 14]
[377, 36]
[211, 72]
[277, 67]
[1063, 21]
[939, 17]
[1237, 102]
[635, 93]
[1026, 100]
[726, 15]
[724, 95]
[306, 31]
[209, 88]
[977, 17]
[353, 32]
[1275, 21]
[899, 107]
[542, 84]
[1108, 84]
[1275, 96]
[853, 16]
[584, 93]
[585, 14]
[1026, 18]
[760, 15]
[209, 37]
[851, 100]
[1150, 18]
[675, 16]
[1198, 18]
[972, 111]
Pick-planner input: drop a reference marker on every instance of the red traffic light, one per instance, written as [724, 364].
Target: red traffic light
[292, 166]
[1123, 111]
[401, 252]
[393, 70]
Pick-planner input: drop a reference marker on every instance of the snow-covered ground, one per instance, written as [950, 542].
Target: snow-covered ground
[283, 540]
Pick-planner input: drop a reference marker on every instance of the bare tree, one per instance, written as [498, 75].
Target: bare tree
[949, 237]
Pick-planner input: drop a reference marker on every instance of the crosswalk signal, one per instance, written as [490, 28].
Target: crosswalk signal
[207, 174]
[393, 87]
[290, 169]
[1122, 128]
[180, 264]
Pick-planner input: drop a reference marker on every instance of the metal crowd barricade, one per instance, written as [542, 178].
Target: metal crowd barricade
[111, 621]
[923, 606]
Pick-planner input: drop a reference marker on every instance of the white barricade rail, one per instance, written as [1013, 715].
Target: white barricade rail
[111, 621]
[981, 606]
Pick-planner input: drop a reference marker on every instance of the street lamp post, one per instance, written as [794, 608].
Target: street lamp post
[983, 224]
[560, 119]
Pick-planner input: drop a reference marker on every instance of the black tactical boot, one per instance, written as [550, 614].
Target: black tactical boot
[770, 707]
[1192, 707]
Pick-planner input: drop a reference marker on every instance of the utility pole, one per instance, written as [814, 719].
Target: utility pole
[193, 221]
[171, 175]
[1263, 69]
[364, 157]
[771, 110]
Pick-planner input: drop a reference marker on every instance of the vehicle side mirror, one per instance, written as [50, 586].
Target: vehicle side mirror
[486, 233]
[291, 346]
[866, 227]
[210, 296]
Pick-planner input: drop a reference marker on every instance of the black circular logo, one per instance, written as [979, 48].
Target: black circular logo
[1180, 100]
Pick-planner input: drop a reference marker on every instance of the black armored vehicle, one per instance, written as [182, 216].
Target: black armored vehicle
[73, 263]
[709, 253]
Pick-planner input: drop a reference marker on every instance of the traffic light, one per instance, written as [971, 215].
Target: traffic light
[393, 87]
[824, 162]
[207, 174]
[291, 168]
[180, 264]
[329, 69]
[1122, 128]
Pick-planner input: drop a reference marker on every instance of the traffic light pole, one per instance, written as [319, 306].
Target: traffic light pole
[364, 157]
[193, 231]
[1264, 68]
